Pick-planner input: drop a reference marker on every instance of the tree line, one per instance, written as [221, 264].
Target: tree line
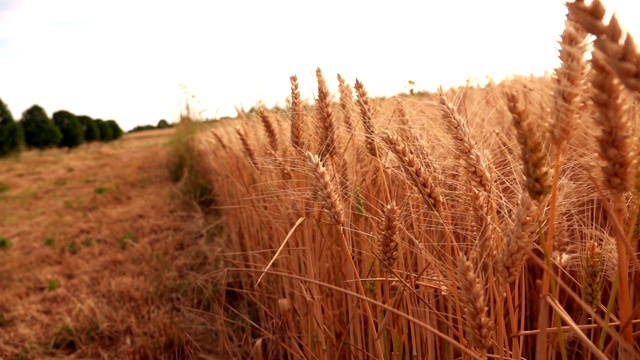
[162, 124]
[35, 130]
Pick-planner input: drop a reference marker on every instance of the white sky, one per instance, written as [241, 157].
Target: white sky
[125, 59]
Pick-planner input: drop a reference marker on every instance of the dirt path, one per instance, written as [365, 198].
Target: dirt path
[97, 254]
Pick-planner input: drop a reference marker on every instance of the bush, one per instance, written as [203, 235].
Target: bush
[11, 134]
[39, 131]
[163, 124]
[106, 131]
[71, 128]
[91, 128]
[115, 129]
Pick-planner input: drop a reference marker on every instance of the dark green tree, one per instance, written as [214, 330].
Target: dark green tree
[115, 128]
[91, 129]
[106, 131]
[39, 131]
[71, 128]
[163, 124]
[11, 134]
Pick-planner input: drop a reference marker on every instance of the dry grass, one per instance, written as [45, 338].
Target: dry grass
[103, 257]
[496, 222]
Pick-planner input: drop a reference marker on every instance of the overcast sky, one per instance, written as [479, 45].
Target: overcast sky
[125, 59]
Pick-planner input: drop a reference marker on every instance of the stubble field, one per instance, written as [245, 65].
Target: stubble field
[100, 254]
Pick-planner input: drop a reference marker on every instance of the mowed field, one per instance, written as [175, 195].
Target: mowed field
[100, 253]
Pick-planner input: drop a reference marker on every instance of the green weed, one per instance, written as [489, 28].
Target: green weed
[87, 242]
[72, 248]
[53, 284]
[126, 239]
[5, 243]
[101, 190]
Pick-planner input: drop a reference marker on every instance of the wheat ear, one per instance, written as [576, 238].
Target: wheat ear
[296, 116]
[475, 163]
[615, 140]
[569, 82]
[472, 298]
[621, 54]
[332, 202]
[270, 129]
[519, 241]
[388, 242]
[219, 139]
[592, 269]
[246, 146]
[484, 228]
[366, 114]
[536, 171]
[430, 193]
[328, 141]
[346, 103]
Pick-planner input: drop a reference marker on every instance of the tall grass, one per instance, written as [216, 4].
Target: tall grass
[473, 223]
[183, 165]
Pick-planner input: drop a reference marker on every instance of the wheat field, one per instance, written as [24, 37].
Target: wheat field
[473, 223]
